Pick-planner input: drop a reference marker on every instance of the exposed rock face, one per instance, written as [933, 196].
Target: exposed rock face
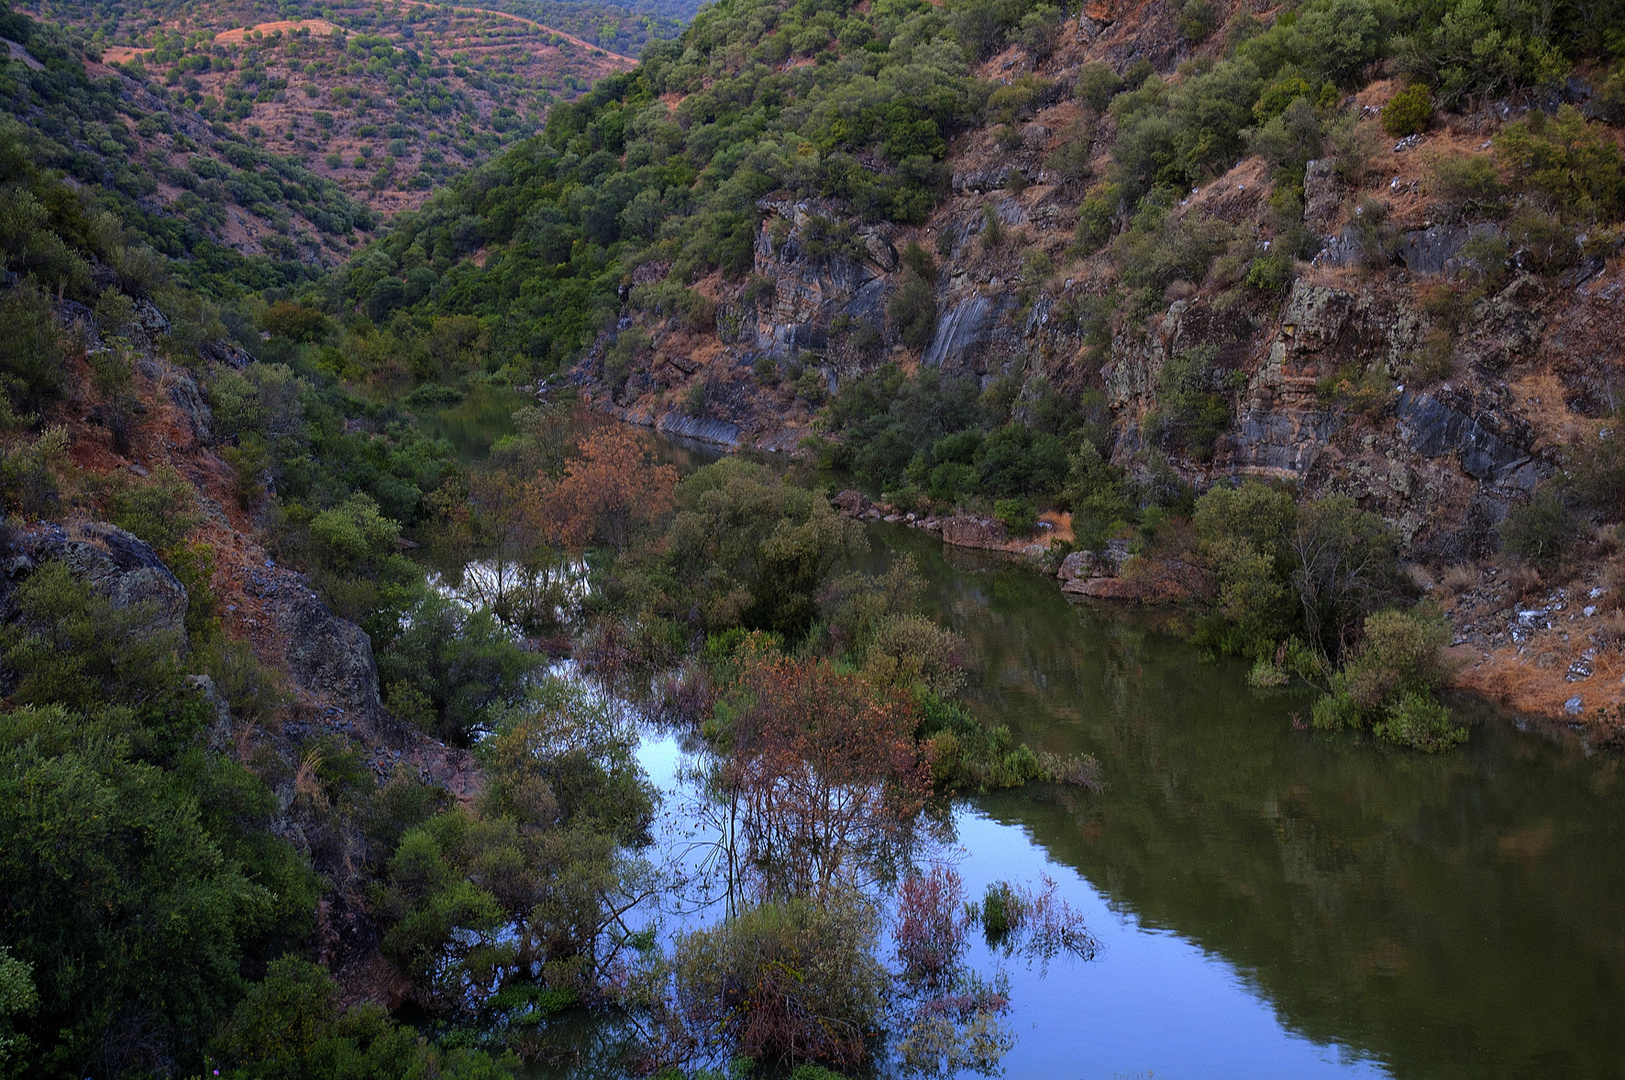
[963, 530]
[963, 330]
[1504, 328]
[329, 657]
[1321, 195]
[116, 564]
[184, 392]
[704, 429]
[1434, 428]
[813, 286]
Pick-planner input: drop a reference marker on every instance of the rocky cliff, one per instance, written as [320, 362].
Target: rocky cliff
[1321, 379]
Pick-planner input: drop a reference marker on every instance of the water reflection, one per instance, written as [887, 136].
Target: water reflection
[1449, 916]
[474, 424]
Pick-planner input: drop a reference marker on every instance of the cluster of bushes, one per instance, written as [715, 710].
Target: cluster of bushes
[937, 438]
[619, 179]
[148, 861]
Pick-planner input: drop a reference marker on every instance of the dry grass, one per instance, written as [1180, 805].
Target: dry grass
[1459, 578]
[1523, 580]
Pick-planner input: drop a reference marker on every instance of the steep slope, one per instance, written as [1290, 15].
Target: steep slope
[1327, 248]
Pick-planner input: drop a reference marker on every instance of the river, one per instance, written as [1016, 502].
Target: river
[1273, 901]
[1276, 902]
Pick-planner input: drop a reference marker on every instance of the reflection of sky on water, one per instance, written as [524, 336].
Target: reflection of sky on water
[1152, 1004]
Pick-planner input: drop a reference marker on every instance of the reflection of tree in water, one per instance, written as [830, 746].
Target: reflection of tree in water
[1439, 911]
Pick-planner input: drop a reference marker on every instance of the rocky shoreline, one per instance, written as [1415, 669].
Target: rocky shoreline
[1542, 656]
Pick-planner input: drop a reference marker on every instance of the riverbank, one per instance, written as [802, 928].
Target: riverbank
[1545, 653]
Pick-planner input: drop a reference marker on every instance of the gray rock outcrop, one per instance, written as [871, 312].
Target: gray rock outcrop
[118, 565]
[329, 657]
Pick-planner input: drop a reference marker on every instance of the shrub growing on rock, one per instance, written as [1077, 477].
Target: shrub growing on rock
[1542, 530]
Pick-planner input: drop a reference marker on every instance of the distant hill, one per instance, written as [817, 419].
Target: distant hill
[193, 189]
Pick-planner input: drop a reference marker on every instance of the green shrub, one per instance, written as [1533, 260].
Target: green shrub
[1289, 139]
[1545, 240]
[1467, 187]
[1097, 84]
[1595, 474]
[913, 313]
[1270, 273]
[1390, 683]
[1197, 20]
[1191, 413]
[160, 509]
[811, 387]
[33, 359]
[1408, 112]
[1575, 166]
[998, 911]
[1017, 515]
[795, 979]
[1419, 721]
[1542, 529]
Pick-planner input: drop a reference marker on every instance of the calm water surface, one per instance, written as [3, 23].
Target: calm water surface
[1272, 902]
[1276, 902]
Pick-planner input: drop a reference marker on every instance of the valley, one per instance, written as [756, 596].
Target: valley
[807, 538]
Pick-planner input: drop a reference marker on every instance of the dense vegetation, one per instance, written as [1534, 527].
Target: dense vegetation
[158, 918]
[619, 28]
[122, 143]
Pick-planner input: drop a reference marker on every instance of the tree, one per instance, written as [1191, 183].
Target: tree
[1391, 682]
[793, 980]
[750, 550]
[291, 1027]
[1346, 565]
[607, 493]
[132, 917]
[821, 774]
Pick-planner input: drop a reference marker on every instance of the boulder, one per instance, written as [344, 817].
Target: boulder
[329, 657]
[118, 565]
[851, 503]
[1079, 565]
[962, 530]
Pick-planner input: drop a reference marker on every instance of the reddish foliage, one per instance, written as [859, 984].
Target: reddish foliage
[824, 773]
[931, 925]
[613, 488]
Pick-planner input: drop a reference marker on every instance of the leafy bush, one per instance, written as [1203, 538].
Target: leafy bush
[1097, 84]
[465, 664]
[1479, 50]
[1390, 682]
[1542, 529]
[792, 981]
[33, 360]
[1574, 166]
[1467, 186]
[1408, 112]
[913, 313]
[292, 1023]
[1191, 413]
[1017, 515]
[160, 510]
[1595, 477]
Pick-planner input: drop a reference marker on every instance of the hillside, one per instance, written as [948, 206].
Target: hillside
[384, 104]
[1298, 326]
[1213, 245]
